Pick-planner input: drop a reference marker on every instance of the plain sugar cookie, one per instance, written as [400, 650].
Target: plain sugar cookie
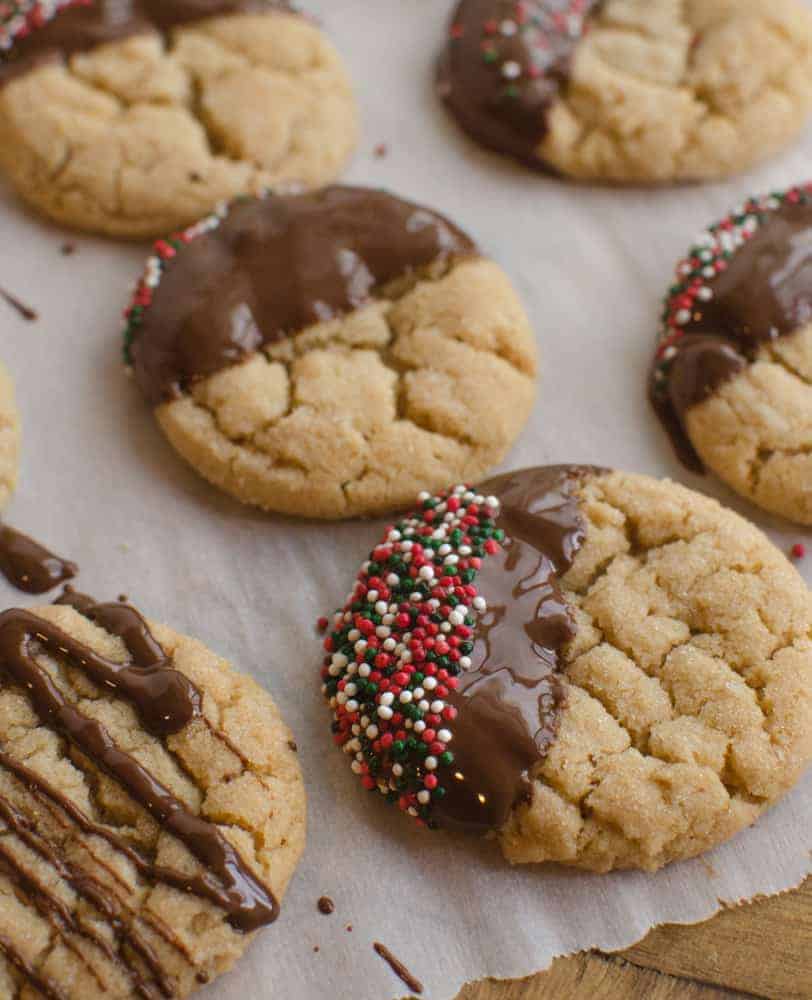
[601, 669]
[630, 90]
[331, 354]
[732, 375]
[137, 125]
[9, 438]
[152, 805]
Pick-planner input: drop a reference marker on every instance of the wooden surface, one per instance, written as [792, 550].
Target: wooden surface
[760, 950]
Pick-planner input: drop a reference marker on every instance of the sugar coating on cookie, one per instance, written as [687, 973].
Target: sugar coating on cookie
[138, 124]
[331, 354]
[630, 90]
[9, 438]
[731, 375]
[154, 809]
[602, 669]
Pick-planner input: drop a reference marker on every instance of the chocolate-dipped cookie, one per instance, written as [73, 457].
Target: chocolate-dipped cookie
[25, 563]
[630, 90]
[731, 377]
[601, 669]
[153, 809]
[331, 354]
[136, 117]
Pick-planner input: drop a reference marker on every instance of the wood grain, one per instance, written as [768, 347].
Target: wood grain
[763, 949]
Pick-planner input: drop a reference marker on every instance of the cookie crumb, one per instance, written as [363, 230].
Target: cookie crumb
[326, 905]
[293, 745]
[380, 151]
[68, 249]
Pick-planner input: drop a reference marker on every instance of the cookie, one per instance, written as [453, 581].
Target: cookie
[139, 124]
[600, 669]
[732, 375]
[630, 90]
[152, 806]
[331, 354]
[9, 438]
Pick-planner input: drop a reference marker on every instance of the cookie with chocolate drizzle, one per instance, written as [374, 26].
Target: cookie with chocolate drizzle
[630, 90]
[138, 776]
[732, 372]
[135, 117]
[548, 658]
[330, 354]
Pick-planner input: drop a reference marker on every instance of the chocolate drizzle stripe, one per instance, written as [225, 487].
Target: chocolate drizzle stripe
[23, 310]
[46, 986]
[226, 881]
[505, 65]
[82, 26]
[100, 896]
[264, 269]
[746, 283]
[398, 968]
[29, 566]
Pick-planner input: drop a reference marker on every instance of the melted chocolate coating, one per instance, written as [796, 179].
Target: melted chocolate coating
[509, 701]
[276, 266]
[29, 566]
[166, 701]
[504, 114]
[765, 293]
[78, 29]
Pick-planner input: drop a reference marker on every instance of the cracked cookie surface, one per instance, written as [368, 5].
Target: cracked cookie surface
[636, 90]
[233, 765]
[9, 438]
[689, 706]
[421, 371]
[141, 136]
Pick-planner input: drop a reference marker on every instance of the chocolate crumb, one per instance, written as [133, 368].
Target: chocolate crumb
[326, 905]
[202, 977]
[316, 947]
[68, 249]
[293, 745]
[122, 598]
[25, 311]
[398, 968]
[381, 150]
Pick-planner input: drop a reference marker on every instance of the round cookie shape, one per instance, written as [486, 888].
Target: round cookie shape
[560, 657]
[9, 438]
[138, 120]
[731, 376]
[152, 803]
[331, 353]
[630, 90]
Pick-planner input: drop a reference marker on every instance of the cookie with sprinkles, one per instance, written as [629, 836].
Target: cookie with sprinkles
[560, 658]
[732, 372]
[136, 117]
[630, 90]
[153, 810]
[331, 354]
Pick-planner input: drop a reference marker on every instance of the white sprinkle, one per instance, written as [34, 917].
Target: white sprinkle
[511, 70]
[405, 697]
[385, 713]
[430, 683]
[430, 763]
[419, 726]
[387, 698]
[364, 670]
[437, 706]
[445, 735]
[424, 797]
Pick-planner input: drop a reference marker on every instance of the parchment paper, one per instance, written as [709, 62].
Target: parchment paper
[100, 484]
